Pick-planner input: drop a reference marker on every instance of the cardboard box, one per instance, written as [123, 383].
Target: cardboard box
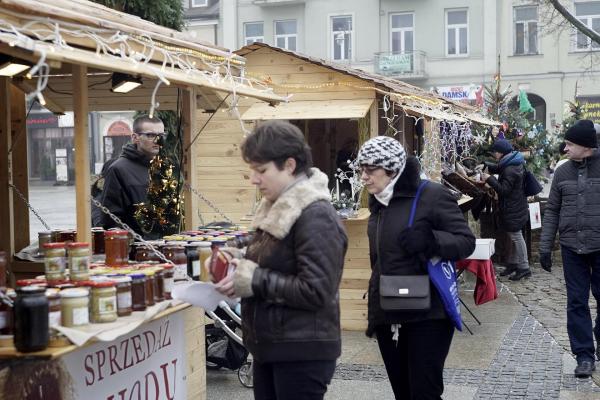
[484, 249]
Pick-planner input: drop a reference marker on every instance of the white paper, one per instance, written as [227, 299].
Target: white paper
[199, 294]
[535, 216]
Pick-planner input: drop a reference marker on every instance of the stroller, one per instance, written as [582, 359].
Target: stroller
[224, 347]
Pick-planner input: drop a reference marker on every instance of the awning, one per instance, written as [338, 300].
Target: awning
[313, 109]
[482, 120]
[433, 113]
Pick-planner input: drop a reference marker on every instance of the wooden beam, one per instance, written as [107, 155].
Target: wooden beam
[7, 225]
[82, 154]
[374, 119]
[27, 88]
[189, 160]
[20, 171]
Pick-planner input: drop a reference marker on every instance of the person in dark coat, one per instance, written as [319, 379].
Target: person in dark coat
[127, 179]
[573, 209]
[289, 278]
[413, 344]
[514, 210]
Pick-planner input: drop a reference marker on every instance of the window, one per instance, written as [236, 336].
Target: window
[526, 24]
[286, 34]
[199, 3]
[341, 37]
[402, 30]
[589, 14]
[253, 32]
[457, 33]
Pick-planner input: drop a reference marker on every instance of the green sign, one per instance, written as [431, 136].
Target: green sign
[395, 63]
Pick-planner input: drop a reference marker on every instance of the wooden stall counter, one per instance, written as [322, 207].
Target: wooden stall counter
[164, 358]
[357, 271]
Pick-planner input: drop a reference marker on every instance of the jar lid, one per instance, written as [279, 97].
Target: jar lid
[74, 292]
[121, 279]
[29, 282]
[46, 233]
[115, 233]
[177, 246]
[165, 266]
[103, 284]
[55, 245]
[33, 289]
[78, 244]
[148, 272]
[137, 276]
[219, 241]
[97, 229]
[84, 283]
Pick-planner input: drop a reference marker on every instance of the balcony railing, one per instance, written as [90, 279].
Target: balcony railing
[401, 65]
[268, 3]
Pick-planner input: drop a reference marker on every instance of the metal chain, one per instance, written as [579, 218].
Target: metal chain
[13, 187]
[210, 204]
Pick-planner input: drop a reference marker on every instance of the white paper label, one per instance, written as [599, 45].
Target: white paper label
[196, 269]
[54, 318]
[168, 285]
[3, 319]
[79, 264]
[55, 265]
[107, 305]
[124, 300]
[81, 316]
[180, 272]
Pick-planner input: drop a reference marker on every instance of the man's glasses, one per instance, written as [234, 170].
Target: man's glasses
[156, 137]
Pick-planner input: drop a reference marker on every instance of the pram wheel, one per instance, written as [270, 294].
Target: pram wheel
[245, 374]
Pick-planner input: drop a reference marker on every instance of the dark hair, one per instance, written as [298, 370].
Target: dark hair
[144, 119]
[277, 141]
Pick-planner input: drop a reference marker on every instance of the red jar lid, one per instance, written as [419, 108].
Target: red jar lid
[115, 233]
[28, 282]
[103, 284]
[84, 283]
[55, 245]
[165, 266]
[78, 244]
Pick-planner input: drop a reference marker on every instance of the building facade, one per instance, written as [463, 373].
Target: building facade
[451, 46]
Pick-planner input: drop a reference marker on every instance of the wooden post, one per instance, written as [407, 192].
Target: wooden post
[189, 160]
[7, 226]
[374, 119]
[82, 154]
[20, 173]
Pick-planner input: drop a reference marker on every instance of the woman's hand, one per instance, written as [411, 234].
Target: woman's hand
[225, 286]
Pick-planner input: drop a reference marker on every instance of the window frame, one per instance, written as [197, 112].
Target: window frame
[260, 39]
[526, 50]
[589, 23]
[194, 5]
[286, 36]
[402, 30]
[332, 37]
[457, 28]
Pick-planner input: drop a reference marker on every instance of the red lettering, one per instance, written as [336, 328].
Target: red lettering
[150, 347]
[156, 388]
[164, 341]
[87, 365]
[112, 359]
[166, 378]
[122, 393]
[126, 343]
[139, 390]
[138, 348]
[100, 360]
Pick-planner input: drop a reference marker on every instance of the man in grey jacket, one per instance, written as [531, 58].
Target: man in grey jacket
[573, 209]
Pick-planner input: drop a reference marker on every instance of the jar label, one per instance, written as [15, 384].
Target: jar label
[124, 300]
[168, 285]
[81, 316]
[107, 305]
[79, 264]
[54, 318]
[3, 319]
[180, 272]
[55, 266]
[196, 269]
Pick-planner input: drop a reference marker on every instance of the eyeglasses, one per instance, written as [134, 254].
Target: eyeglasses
[366, 169]
[152, 135]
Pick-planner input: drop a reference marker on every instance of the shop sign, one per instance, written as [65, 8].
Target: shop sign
[148, 363]
[590, 107]
[67, 120]
[458, 92]
[395, 63]
[42, 121]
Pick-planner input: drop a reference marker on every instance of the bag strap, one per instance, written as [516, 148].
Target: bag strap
[413, 210]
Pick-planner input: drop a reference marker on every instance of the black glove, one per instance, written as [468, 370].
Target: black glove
[419, 241]
[546, 261]
[492, 167]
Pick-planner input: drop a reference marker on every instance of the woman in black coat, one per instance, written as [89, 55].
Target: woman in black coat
[290, 275]
[413, 344]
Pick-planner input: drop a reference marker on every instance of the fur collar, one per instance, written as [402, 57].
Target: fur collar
[278, 217]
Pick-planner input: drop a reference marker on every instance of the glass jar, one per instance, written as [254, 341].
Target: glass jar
[97, 240]
[104, 302]
[176, 254]
[79, 261]
[67, 236]
[138, 292]
[193, 261]
[150, 283]
[204, 252]
[31, 319]
[123, 285]
[116, 247]
[167, 280]
[54, 261]
[159, 284]
[5, 313]
[43, 238]
[144, 254]
[3, 265]
[74, 307]
[53, 297]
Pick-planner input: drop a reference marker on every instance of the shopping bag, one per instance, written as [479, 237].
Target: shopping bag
[535, 216]
[443, 276]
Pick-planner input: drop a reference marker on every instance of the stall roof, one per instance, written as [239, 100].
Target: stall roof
[403, 93]
[50, 32]
[310, 109]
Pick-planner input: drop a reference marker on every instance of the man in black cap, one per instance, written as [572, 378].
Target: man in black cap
[514, 210]
[573, 209]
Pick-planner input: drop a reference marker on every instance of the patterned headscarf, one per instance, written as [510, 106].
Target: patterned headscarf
[384, 152]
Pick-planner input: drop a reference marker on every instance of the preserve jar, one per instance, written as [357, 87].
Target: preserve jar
[159, 283]
[104, 302]
[123, 285]
[193, 261]
[97, 240]
[176, 254]
[138, 292]
[167, 280]
[3, 265]
[116, 247]
[53, 296]
[74, 307]
[144, 254]
[150, 283]
[54, 261]
[31, 319]
[67, 235]
[79, 261]
[43, 238]
[204, 252]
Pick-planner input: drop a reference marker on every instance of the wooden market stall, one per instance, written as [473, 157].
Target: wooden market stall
[337, 108]
[68, 54]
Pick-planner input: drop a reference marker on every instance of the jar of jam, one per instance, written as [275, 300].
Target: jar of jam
[31, 319]
[104, 302]
[43, 238]
[123, 285]
[67, 235]
[97, 240]
[204, 253]
[79, 261]
[150, 284]
[193, 261]
[176, 254]
[3, 266]
[116, 247]
[54, 261]
[144, 254]
[74, 307]
[159, 283]
[167, 280]
[55, 236]
[138, 292]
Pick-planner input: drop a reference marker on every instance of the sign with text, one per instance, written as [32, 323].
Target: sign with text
[395, 63]
[458, 92]
[590, 107]
[148, 363]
